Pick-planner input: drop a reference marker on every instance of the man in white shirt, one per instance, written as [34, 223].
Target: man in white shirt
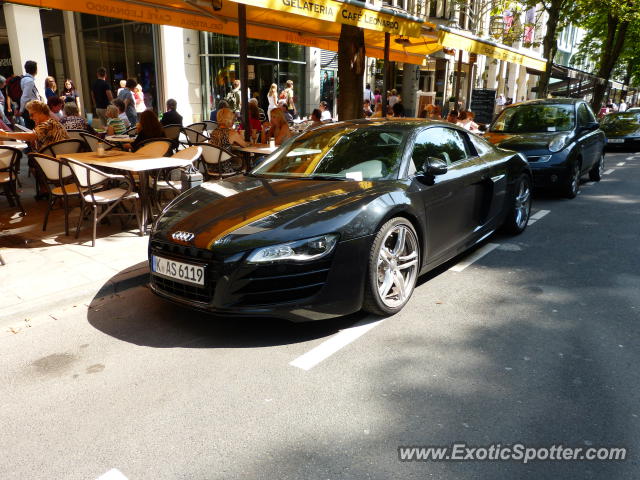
[325, 113]
[29, 91]
[368, 95]
[623, 106]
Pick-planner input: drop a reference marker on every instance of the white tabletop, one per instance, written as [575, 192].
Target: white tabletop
[132, 162]
[259, 149]
[119, 138]
[14, 144]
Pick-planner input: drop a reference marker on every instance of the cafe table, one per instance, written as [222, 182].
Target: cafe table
[119, 138]
[259, 149]
[133, 163]
[14, 143]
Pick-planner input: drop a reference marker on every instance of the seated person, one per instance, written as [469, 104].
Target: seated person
[254, 116]
[315, 119]
[366, 108]
[55, 105]
[148, 127]
[325, 113]
[282, 105]
[122, 113]
[171, 116]
[279, 127]
[46, 131]
[224, 136]
[465, 120]
[72, 119]
[214, 114]
[398, 109]
[115, 125]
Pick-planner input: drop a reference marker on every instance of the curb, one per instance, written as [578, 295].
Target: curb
[121, 282]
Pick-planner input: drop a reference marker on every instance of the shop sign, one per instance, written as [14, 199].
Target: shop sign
[5, 62]
[334, 11]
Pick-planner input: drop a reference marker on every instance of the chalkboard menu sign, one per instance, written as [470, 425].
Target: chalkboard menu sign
[483, 103]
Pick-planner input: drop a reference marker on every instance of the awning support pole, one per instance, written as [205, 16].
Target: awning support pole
[385, 75]
[458, 79]
[244, 72]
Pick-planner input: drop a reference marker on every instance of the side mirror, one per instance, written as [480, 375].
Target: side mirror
[433, 166]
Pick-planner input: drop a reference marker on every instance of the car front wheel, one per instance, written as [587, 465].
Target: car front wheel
[595, 174]
[393, 267]
[573, 181]
[520, 208]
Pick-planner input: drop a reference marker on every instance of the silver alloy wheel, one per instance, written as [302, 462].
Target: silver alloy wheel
[397, 266]
[601, 165]
[522, 204]
[575, 178]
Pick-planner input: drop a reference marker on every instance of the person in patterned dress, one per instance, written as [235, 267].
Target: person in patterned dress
[46, 131]
[224, 136]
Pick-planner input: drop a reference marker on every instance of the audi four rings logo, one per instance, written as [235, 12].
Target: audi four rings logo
[183, 236]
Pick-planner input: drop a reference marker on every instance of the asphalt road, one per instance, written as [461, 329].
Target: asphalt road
[534, 343]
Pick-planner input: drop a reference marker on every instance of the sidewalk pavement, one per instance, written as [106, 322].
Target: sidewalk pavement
[45, 270]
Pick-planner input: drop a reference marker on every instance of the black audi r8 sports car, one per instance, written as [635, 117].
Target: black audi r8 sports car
[341, 218]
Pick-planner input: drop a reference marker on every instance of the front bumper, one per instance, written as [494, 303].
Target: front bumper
[551, 173]
[293, 291]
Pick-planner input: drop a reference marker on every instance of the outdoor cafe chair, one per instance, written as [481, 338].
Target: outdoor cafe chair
[155, 147]
[58, 181]
[198, 126]
[92, 142]
[210, 125]
[75, 134]
[173, 133]
[72, 145]
[9, 167]
[193, 137]
[169, 179]
[132, 130]
[212, 157]
[102, 190]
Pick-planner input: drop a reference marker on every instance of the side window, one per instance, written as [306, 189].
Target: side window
[443, 143]
[480, 144]
[583, 115]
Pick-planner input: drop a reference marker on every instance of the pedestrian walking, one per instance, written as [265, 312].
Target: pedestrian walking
[126, 95]
[101, 94]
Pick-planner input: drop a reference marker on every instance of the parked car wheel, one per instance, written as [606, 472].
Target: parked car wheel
[572, 184]
[393, 267]
[518, 216]
[595, 174]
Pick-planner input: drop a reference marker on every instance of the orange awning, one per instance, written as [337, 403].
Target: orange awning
[276, 20]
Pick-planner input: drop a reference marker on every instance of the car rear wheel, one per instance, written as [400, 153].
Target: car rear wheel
[573, 181]
[595, 174]
[393, 268]
[520, 209]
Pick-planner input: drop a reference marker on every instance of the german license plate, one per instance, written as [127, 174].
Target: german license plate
[615, 140]
[184, 272]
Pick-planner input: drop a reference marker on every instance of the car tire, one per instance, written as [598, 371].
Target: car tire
[394, 263]
[572, 185]
[520, 207]
[595, 174]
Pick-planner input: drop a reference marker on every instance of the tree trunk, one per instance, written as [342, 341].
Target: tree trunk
[610, 52]
[351, 72]
[549, 46]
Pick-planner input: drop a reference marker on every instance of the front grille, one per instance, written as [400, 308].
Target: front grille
[196, 293]
[282, 283]
[185, 254]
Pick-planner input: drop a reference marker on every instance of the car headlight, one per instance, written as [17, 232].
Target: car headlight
[558, 143]
[299, 251]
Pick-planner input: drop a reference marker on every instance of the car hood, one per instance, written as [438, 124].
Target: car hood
[245, 212]
[522, 141]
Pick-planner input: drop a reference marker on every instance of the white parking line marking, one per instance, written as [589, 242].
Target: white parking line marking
[113, 474]
[332, 345]
[621, 164]
[474, 257]
[539, 214]
[610, 171]
[630, 158]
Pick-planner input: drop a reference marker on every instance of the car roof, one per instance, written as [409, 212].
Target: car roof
[396, 122]
[549, 101]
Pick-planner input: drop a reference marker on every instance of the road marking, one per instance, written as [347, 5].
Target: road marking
[113, 474]
[332, 345]
[474, 257]
[631, 158]
[621, 164]
[610, 171]
[537, 216]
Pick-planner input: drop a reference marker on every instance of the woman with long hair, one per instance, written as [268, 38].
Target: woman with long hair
[50, 88]
[272, 96]
[69, 93]
[279, 127]
[148, 126]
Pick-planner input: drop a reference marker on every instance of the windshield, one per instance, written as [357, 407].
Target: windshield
[371, 152]
[622, 119]
[535, 119]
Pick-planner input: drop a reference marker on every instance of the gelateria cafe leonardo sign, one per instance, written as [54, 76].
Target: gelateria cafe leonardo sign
[338, 12]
